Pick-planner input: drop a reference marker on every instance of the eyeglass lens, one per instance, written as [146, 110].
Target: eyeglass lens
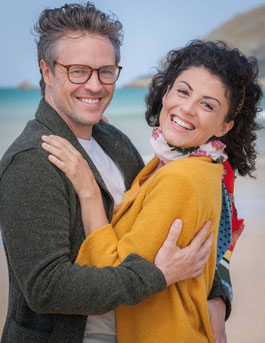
[81, 74]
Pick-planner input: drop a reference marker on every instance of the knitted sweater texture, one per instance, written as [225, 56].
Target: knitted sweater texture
[189, 189]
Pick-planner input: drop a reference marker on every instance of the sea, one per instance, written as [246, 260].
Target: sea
[126, 111]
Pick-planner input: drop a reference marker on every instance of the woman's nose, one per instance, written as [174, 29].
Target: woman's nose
[189, 107]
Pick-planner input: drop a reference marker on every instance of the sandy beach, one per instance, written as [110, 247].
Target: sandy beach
[247, 321]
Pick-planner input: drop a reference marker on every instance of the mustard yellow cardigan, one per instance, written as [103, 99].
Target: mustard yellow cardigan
[190, 189]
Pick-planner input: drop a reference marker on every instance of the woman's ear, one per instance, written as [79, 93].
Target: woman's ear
[165, 95]
[224, 128]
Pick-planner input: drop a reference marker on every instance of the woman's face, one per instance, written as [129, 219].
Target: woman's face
[194, 109]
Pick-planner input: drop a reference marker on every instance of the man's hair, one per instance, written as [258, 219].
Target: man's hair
[53, 24]
[238, 74]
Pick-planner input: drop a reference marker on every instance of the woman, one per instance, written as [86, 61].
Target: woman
[203, 106]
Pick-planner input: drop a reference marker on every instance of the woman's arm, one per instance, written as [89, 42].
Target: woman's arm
[112, 249]
[64, 156]
[149, 228]
[189, 261]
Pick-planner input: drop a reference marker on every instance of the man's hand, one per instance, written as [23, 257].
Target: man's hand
[181, 264]
[217, 311]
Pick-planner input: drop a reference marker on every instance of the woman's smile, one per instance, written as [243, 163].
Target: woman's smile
[181, 123]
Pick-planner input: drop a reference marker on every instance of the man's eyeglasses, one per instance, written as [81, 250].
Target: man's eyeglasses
[78, 73]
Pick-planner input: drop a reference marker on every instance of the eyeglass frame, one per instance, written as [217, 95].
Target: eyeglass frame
[92, 69]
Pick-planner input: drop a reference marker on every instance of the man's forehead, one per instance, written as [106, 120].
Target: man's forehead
[76, 42]
[72, 37]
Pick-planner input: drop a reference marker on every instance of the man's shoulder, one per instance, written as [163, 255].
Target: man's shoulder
[107, 134]
[28, 140]
[109, 130]
[119, 147]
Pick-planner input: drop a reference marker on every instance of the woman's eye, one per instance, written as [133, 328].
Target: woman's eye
[207, 105]
[183, 92]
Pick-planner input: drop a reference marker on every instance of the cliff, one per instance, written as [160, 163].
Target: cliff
[246, 31]
[26, 85]
[140, 82]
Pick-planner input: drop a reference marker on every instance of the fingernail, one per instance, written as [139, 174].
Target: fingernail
[44, 145]
[43, 136]
[177, 222]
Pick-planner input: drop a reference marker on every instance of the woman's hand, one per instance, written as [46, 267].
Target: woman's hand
[64, 156]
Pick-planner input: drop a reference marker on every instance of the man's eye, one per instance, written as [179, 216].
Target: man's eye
[78, 71]
[107, 71]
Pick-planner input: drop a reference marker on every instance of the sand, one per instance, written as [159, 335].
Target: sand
[247, 321]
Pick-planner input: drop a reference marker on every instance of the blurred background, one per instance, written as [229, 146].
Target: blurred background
[151, 29]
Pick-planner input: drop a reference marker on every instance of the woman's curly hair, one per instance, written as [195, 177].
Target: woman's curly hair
[239, 76]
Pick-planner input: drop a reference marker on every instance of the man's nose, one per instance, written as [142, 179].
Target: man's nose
[93, 83]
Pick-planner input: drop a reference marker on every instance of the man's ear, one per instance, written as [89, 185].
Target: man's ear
[224, 129]
[46, 72]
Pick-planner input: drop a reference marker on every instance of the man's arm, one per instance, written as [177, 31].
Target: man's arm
[36, 224]
[217, 311]
[220, 291]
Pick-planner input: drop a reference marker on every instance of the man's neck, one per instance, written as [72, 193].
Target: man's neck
[80, 131]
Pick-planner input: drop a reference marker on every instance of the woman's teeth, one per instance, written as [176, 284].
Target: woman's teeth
[182, 124]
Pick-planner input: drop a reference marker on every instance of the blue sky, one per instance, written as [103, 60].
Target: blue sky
[151, 29]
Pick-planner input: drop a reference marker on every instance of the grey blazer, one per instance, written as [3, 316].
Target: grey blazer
[50, 296]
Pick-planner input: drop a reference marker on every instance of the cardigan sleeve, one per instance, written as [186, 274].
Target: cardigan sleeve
[167, 197]
[35, 222]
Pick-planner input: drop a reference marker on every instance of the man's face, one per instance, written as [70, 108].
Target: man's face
[80, 105]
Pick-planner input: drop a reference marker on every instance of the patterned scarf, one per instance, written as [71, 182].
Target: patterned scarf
[167, 153]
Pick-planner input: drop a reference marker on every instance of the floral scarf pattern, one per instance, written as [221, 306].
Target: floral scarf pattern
[167, 153]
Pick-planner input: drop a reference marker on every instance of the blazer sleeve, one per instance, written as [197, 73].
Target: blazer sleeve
[36, 222]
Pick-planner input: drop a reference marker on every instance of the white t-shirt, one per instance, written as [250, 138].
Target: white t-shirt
[99, 327]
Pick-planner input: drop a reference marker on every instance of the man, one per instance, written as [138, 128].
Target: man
[51, 299]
